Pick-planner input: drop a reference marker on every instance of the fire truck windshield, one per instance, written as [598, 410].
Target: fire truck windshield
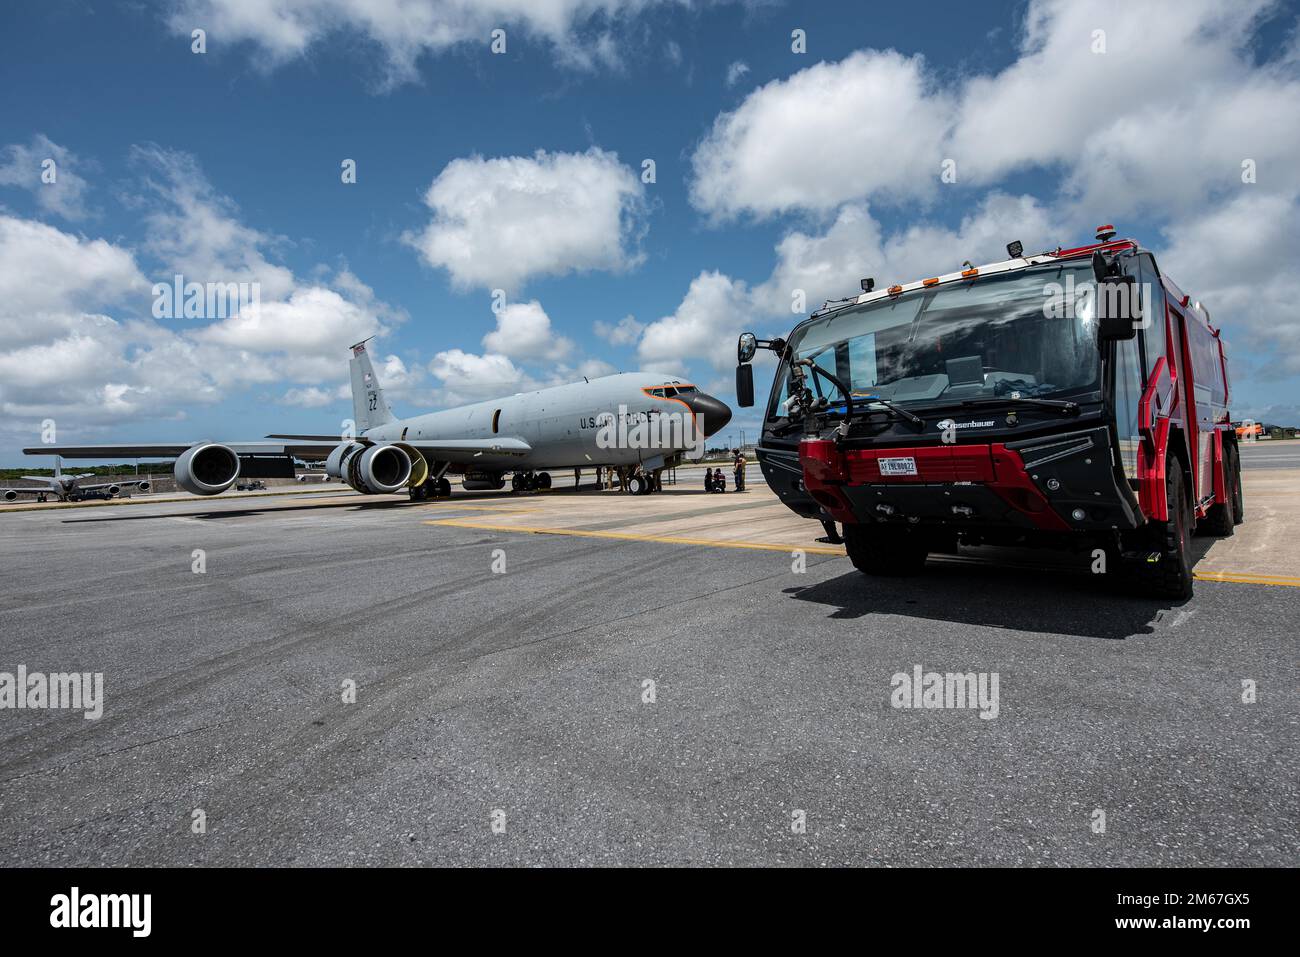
[1030, 333]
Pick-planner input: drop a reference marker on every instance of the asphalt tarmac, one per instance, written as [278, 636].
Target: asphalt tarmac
[506, 716]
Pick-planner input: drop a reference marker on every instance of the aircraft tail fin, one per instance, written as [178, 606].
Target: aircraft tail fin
[369, 407]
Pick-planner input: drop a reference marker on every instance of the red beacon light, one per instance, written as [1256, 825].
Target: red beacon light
[1105, 233]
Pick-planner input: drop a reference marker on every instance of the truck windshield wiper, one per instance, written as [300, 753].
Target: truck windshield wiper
[1064, 406]
[898, 410]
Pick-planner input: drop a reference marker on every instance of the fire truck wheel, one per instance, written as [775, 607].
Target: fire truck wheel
[1171, 575]
[1234, 473]
[1220, 518]
[883, 551]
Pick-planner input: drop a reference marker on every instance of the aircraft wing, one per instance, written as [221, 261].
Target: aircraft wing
[27, 490]
[462, 451]
[306, 449]
[441, 450]
[95, 488]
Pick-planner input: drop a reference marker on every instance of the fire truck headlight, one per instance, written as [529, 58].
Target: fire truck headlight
[1078, 515]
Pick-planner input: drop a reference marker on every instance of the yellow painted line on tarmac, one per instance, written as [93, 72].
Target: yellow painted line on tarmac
[1244, 579]
[631, 537]
[1278, 580]
[495, 509]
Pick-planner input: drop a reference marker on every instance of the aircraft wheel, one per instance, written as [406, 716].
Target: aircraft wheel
[517, 482]
[444, 488]
[544, 480]
[636, 485]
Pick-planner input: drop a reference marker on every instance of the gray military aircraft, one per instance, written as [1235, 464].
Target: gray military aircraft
[634, 423]
[67, 488]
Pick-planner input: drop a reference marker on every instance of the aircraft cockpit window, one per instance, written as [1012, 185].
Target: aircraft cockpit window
[670, 391]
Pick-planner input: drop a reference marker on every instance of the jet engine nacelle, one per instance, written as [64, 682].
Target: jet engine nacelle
[371, 469]
[336, 463]
[10, 495]
[113, 490]
[377, 469]
[207, 469]
[144, 486]
[483, 481]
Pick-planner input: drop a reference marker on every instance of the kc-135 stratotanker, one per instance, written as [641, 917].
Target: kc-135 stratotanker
[579, 425]
[1074, 398]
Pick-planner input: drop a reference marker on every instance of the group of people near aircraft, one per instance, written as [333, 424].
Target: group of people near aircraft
[715, 481]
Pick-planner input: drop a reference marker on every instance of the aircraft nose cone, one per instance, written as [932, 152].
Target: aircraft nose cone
[713, 414]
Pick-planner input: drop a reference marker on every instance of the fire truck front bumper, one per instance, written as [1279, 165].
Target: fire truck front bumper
[1066, 482]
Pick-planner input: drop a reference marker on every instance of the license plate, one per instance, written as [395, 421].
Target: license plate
[898, 466]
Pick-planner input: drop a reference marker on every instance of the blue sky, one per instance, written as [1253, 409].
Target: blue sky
[775, 171]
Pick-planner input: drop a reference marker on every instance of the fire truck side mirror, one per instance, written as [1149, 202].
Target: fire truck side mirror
[746, 346]
[1118, 312]
[745, 386]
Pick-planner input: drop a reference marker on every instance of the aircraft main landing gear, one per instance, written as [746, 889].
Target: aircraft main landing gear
[643, 483]
[433, 488]
[530, 481]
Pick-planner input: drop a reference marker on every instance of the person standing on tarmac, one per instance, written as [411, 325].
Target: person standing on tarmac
[740, 471]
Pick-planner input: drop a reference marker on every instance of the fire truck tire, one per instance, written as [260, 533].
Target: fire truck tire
[1221, 518]
[876, 551]
[1171, 576]
[1234, 475]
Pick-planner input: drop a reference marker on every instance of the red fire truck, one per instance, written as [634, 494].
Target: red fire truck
[1076, 398]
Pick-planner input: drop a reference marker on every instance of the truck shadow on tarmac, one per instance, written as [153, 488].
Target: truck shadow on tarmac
[1047, 597]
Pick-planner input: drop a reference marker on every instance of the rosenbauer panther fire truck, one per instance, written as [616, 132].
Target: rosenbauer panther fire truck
[1075, 399]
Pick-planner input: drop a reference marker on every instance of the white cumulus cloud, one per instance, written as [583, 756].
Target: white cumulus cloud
[580, 33]
[622, 333]
[497, 222]
[524, 332]
[58, 188]
[871, 124]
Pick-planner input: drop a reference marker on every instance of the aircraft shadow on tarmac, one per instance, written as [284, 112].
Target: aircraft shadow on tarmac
[359, 503]
[240, 512]
[1051, 599]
